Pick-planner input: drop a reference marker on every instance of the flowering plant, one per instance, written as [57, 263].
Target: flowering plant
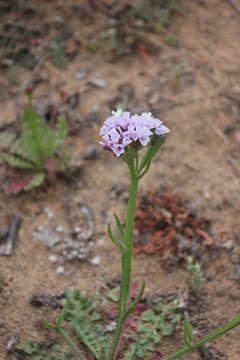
[126, 135]
[135, 139]
[121, 130]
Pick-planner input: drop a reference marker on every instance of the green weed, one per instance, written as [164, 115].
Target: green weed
[56, 52]
[43, 351]
[196, 278]
[2, 282]
[37, 146]
[152, 326]
[80, 320]
[179, 72]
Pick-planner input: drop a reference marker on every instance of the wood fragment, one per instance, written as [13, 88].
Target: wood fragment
[235, 165]
[12, 236]
[235, 5]
[13, 341]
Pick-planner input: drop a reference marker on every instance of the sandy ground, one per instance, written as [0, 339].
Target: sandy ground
[194, 161]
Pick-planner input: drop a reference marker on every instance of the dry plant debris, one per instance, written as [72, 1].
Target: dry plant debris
[164, 224]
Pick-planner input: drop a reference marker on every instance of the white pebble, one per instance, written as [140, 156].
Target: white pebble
[100, 242]
[60, 270]
[77, 230]
[96, 260]
[52, 258]
[60, 229]
[49, 213]
[111, 326]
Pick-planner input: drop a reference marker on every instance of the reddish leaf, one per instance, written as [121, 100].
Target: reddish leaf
[17, 186]
[141, 307]
[157, 356]
[208, 241]
[112, 314]
[52, 168]
[161, 217]
[143, 52]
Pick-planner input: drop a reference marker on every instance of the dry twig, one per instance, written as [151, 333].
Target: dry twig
[235, 5]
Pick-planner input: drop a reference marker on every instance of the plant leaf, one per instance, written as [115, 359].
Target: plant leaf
[149, 154]
[119, 226]
[16, 186]
[116, 242]
[6, 138]
[17, 162]
[36, 181]
[148, 316]
[188, 333]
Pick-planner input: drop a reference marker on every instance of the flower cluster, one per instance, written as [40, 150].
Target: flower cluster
[122, 129]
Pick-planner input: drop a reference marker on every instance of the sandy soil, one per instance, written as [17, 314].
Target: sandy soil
[194, 161]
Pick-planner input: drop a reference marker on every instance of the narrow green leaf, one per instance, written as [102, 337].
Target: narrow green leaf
[132, 307]
[188, 333]
[119, 226]
[116, 242]
[149, 155]
[14, 161]
[36, 181]
[49, 325]
[208, 338]
[6, 139]
[58, 321]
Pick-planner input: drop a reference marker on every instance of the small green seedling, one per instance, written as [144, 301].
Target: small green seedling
[43, 351]
[38, 150]
[13, 74]
[165, 15]
[85, 323]
[170, 41]
[151, 327]
[179, 72]
[55, 50]
[196, 278]
[2, 282]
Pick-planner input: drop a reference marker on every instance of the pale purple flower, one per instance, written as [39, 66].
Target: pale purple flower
[121, 129]
[162, 130]
[118, 149]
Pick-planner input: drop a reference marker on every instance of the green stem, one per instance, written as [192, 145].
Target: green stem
[70, 343]
[129, 228]
[210, 337]
[126, 261]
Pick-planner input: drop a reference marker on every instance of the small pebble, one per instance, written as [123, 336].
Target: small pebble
[228, 245]
[74, 253]
[82, 256]
[60, 270]
[52, 258]
[49, 213]
[77, 230]
[60, 229]
[110, 327]
[100, 242]
[80, 75]
[96, 260]
[99, 83]
[92, 153]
